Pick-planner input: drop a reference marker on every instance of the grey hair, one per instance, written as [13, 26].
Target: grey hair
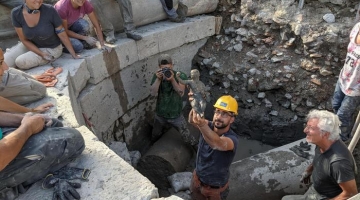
[328, 122]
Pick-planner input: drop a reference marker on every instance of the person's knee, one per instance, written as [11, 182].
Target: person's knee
[76, 139]
[23, 63]
[77, 46]
[81, 27]
[84, 26]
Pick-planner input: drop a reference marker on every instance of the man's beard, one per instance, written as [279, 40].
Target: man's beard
[222, 126]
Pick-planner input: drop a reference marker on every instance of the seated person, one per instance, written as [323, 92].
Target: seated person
[25, 155]
[337, 179]
[40, 32]
[127, 15]
[77, 28]
[18, 86]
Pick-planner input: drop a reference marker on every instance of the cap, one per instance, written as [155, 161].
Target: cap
[165, 57]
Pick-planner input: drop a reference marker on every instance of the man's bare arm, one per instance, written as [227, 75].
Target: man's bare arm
[11, 144]
[349, 189]
[9, 106]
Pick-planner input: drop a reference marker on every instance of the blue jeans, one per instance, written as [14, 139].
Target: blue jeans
[81, 27]
[344, 106]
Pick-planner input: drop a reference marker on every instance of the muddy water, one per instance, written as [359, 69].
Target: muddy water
[247, 148]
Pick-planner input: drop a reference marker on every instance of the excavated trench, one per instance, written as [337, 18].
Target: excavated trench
[170, 155]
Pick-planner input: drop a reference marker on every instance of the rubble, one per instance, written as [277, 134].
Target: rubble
[285, 57]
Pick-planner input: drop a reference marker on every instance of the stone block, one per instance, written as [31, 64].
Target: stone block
[111, 177]
[153, 12]
[75, 67]
[101, 104]
[165, 36]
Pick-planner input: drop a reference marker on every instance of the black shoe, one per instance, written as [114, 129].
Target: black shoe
[134, 35]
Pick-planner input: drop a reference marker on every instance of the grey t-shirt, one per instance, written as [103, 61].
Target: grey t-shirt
[43, 34]
[332, 167]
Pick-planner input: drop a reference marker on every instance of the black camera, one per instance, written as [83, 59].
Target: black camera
[166, 72]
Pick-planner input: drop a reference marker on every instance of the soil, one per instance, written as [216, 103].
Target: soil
[279, 123]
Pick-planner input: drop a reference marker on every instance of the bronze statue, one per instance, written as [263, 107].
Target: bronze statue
[201, 96]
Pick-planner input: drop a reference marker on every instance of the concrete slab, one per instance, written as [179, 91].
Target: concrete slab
[129, 89]
[111, 177]
[269, 175]
[157, 38]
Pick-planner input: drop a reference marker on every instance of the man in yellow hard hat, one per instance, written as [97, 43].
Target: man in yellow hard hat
[216, 150]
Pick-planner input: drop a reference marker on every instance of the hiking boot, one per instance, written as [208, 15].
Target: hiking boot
[182, 10]
[133, 35]
[110, 39]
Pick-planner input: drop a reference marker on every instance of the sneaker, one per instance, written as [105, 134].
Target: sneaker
[133, 35]
[110, 39]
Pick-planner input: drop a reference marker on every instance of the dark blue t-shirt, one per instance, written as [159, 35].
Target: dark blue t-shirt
[43, 34]
[212, 166]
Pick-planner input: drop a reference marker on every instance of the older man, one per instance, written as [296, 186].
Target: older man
[217, 148]
[333, 167]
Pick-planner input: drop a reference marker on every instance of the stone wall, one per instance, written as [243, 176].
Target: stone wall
[116, 97]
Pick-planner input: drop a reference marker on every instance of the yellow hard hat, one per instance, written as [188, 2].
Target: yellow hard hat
[227, 103]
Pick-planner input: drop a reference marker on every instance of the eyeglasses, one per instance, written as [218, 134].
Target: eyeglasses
[223, 113]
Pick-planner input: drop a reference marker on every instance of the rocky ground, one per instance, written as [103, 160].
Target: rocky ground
[279, 61]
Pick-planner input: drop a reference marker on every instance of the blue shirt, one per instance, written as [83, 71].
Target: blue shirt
[212, 166]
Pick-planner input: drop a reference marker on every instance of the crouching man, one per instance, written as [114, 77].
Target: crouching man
[333, 168]
[29, 150]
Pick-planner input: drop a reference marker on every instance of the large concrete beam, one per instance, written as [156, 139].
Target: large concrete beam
[157, 38]
[167, 156]
[154, 11]
[111, 177]
[120, 80]
[269, 175]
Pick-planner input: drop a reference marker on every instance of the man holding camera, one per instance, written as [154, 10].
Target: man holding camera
[169, 91]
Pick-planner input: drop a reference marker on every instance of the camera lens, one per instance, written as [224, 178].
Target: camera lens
[167, 73]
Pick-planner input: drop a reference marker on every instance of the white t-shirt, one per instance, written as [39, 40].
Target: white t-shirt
[350, 74]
